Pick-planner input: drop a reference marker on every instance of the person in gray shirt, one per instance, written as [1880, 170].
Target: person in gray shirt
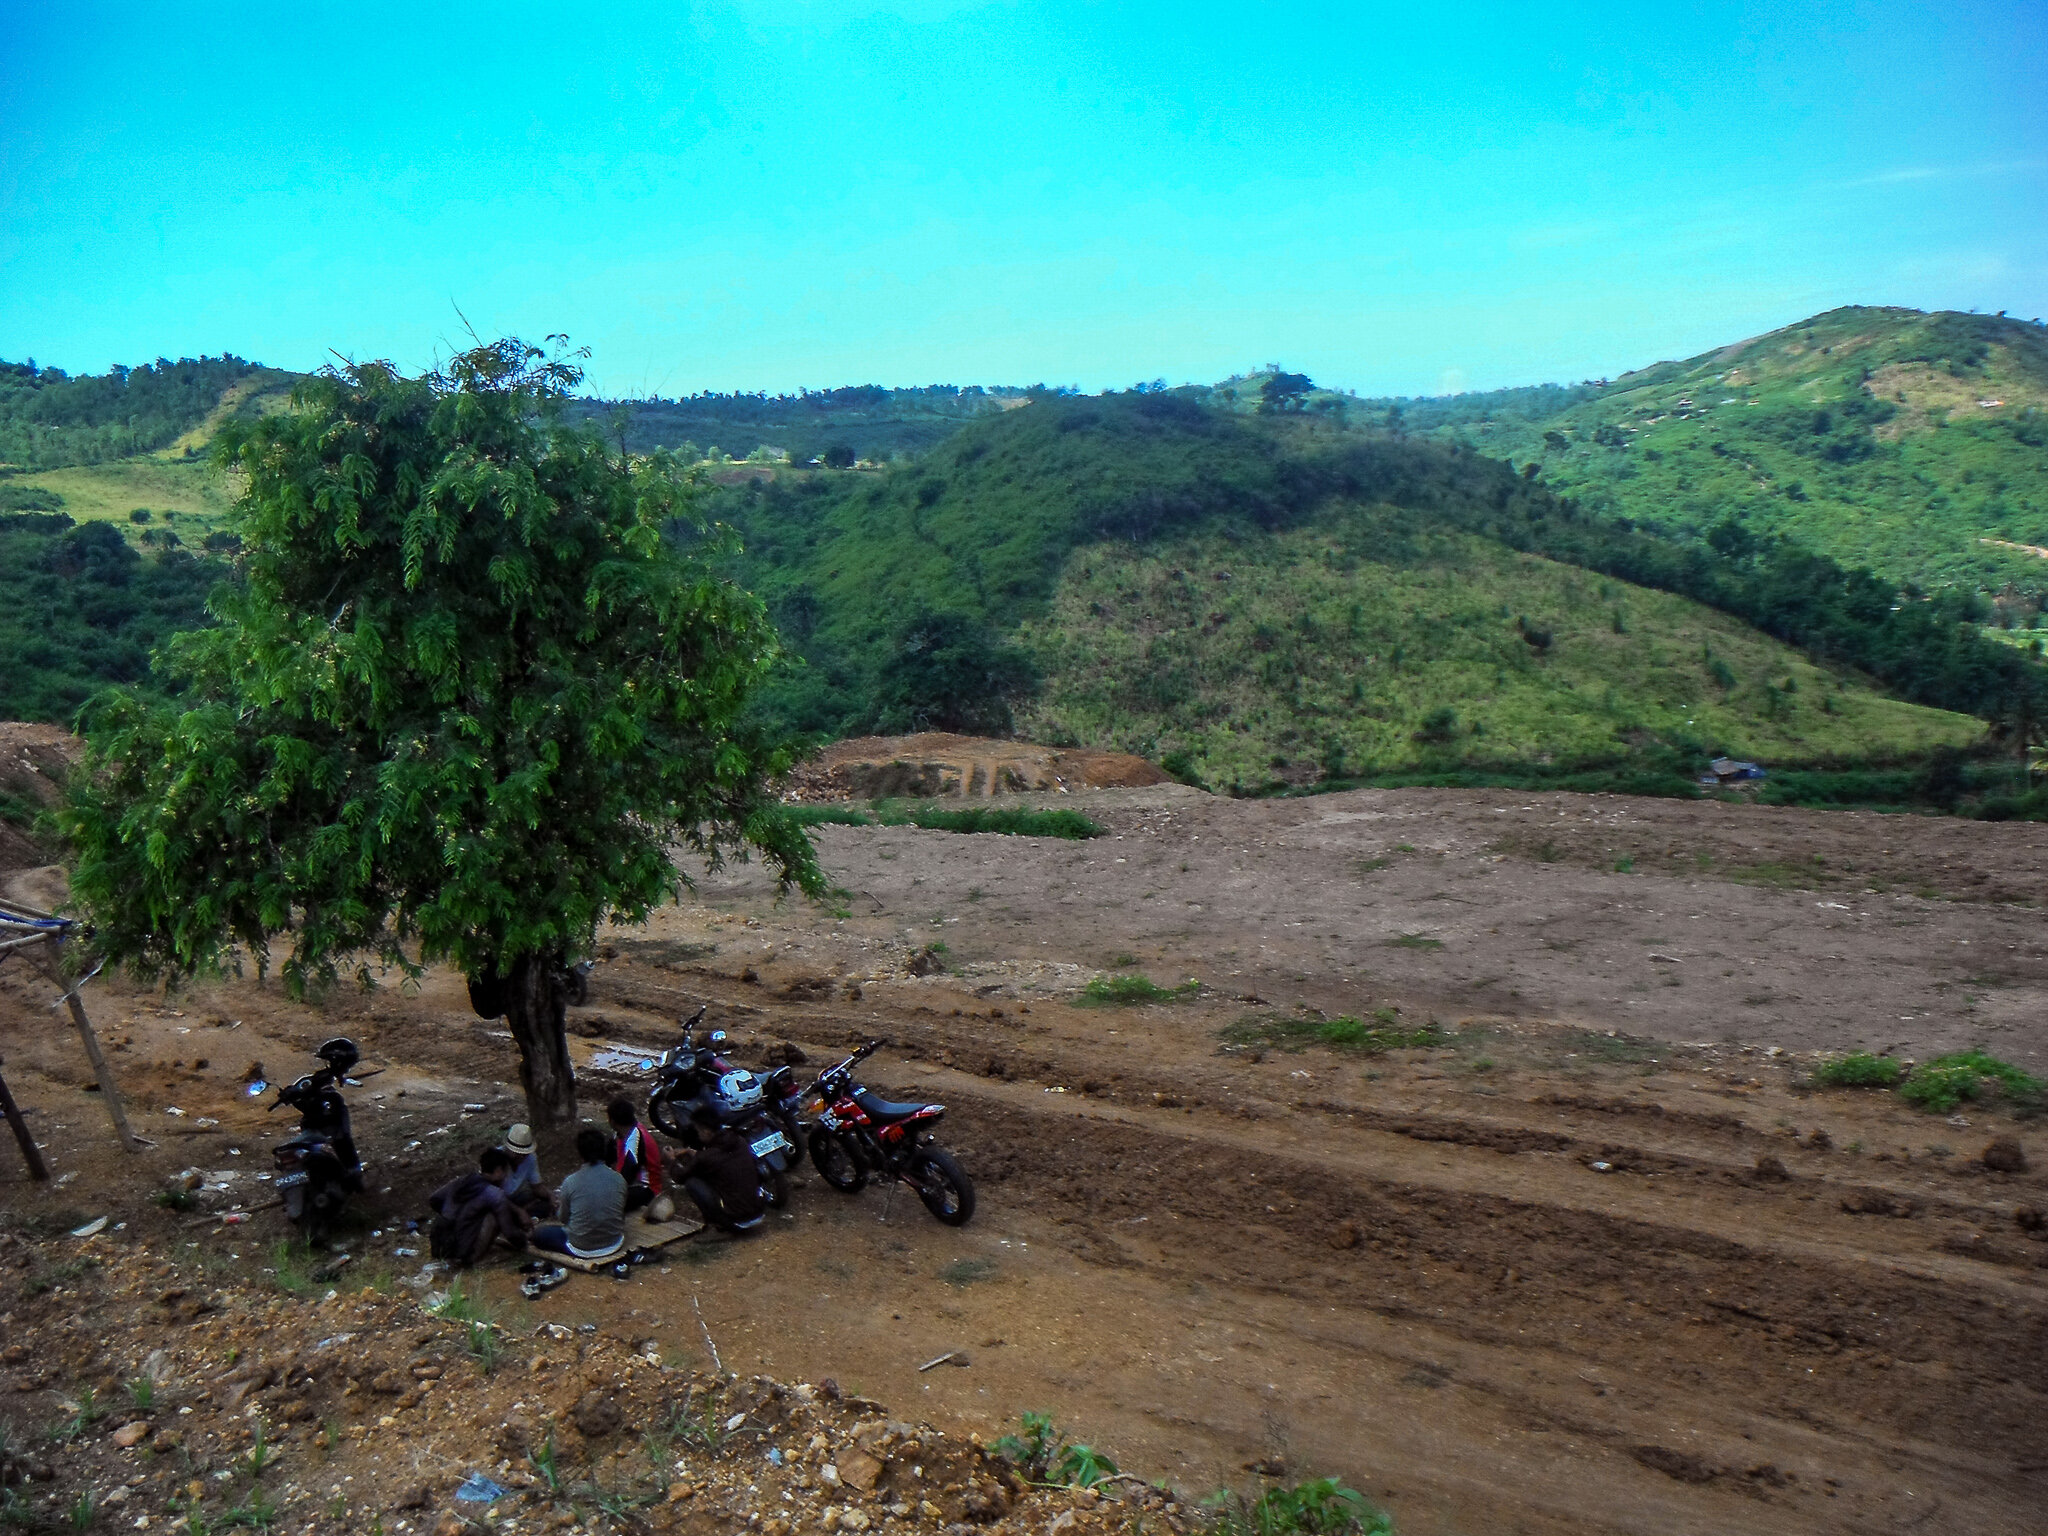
[591, 1204]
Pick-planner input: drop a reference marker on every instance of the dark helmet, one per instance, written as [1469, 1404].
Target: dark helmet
[340, 1053]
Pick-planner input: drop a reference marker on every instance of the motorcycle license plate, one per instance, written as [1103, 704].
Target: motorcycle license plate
[291, 1180]
[774, 1141]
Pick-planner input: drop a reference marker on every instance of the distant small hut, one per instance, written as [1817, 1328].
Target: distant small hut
[1724, 771]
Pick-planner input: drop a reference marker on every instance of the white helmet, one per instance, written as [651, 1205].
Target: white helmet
[735, 1093]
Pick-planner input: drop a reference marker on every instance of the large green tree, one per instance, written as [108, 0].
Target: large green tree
[464, 704]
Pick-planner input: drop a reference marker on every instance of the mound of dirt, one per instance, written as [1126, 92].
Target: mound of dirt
[327, 1407]
[934, 764]
[34, 762]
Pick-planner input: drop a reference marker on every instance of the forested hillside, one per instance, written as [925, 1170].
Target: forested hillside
[81, 608]
[1364, 563]
[1914, 444]
[49, 419]
[839, 426]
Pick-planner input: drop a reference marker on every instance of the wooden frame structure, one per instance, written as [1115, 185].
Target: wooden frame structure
[38, 937]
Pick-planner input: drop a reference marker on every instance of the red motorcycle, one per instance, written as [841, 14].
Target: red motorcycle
[859, 1135]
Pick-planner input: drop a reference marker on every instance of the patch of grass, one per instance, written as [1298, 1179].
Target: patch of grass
[48, 1277]
[964, 1272]
[291, 1266]
[828, 816]
[1938, 1086]
[1416, 941]
[1322, 1507]
[1293, 1032]
[177, 1199]
[1124, 991]
[255, 1512]
[1775, 876]
[1014, 821]
[142, 1393]
[1123, 962]
[84, 1510]
[548, 1465]
[1858, 1069]
[459, 1306]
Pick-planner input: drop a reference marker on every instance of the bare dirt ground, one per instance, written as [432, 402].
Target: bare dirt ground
[1597, 1260]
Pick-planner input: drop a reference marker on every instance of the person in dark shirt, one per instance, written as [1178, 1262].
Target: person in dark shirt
[472, 1212]
[722, 1176]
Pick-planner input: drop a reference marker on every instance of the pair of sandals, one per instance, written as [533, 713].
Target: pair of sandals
[541, 1277]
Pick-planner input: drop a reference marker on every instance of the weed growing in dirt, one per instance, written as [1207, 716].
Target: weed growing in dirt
[83, 1511]
[255, 1512]
[1323, 1507]
[142, 1392]
[1416, 941]
[1859, 1069]
[14, 1508]
[1043, 1455]
[262, 1454]
[1122, 991]
[178, 1199]
[85, 1413]
[964, 1272]
[481, 1341]
[1938, 1086]
[548, 1465]
[1294, 1032]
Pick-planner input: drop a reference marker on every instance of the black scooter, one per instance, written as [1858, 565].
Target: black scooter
[763, 1107]
[318, 1169]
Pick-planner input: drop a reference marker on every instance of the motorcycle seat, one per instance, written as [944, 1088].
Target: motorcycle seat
[884, 1109]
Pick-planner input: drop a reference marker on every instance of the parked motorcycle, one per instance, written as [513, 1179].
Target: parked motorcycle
[318, 1169]
[860, 1135]
[764, 1109]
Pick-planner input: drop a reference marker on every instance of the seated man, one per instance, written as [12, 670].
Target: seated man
[636, 1156]
[723, 1178]
[524, 1188]
[592, 1204]
[471, 1213]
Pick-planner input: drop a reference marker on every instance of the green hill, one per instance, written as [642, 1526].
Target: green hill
[1914, 444]
[1372, 584]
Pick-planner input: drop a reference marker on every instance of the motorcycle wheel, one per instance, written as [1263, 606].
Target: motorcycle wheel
[836, 1162]
[662, 1111]
[943, 1186]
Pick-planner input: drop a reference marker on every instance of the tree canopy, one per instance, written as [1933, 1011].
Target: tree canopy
[462, 706]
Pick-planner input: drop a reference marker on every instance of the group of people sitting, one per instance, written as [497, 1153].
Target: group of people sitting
[505, 1199]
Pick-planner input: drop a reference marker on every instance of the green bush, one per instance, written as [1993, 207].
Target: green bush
[1322, 1507]
[1013, 821]
[1938, 1086]
[1123, 991]
[1859, 1069]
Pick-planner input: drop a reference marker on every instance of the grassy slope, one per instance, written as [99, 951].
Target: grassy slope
[192, 488]
[1048, 514]
[1326, 649]
[1857, 433]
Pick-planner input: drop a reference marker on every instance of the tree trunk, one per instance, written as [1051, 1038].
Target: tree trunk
[534, 1010]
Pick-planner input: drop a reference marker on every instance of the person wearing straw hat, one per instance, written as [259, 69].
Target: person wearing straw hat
[524, 1188]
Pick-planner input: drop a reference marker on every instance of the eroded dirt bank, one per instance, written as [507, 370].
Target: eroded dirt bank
[1594, 1259]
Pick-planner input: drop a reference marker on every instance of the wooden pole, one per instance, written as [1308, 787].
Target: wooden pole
[31, 1153]
[109, 1090]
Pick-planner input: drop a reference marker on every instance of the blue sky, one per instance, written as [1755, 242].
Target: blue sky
[1401, 199]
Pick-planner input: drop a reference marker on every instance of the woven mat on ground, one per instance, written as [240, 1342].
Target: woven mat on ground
[639, 1234]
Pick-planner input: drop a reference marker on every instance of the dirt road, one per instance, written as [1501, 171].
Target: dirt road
[1592, 1260]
